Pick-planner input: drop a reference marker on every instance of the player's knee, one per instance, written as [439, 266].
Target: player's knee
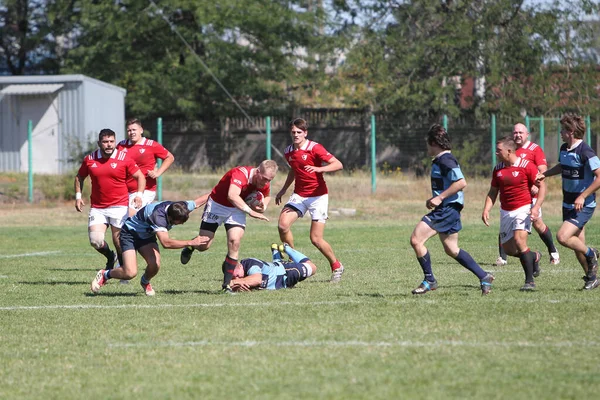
[283, 228]
[317, 241]
[452, 252]
[415, 242]
[96, 239]
[562, 238]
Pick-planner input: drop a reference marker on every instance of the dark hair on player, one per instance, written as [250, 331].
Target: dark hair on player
[299, 123]
[178, 212]
[437, 135]
[508, 142]
[132, 121]
[573, 123]
[105, 133]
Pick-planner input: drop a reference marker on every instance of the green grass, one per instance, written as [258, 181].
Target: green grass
[366, 338]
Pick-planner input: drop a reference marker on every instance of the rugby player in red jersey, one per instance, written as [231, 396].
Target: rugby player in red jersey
[226, 206]
[513, 178]
[144, 152]
[308, 160]
[530, 151]
[109, 170]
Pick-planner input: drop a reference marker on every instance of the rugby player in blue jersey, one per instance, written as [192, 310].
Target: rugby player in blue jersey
[139, 233]
[252, 273]
[580, 169]
[447, 184]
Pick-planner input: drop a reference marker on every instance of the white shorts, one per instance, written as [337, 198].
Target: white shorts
[515, 220]
[533, 201]
[215, 213]
[316, 206]
[114, 216]
[147, 198]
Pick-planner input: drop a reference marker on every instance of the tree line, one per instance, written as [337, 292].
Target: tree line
[415, 58]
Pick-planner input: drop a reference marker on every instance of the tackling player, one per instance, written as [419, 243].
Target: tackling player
[447, 184]
[308, 160]
[109, 170]
[252, 273]
[139, 233]
[144, 152]
[513, 178]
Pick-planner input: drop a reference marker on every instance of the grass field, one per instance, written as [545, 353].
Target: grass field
[365, 338]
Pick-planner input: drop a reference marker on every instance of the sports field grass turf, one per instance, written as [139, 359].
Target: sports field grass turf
[365, 338]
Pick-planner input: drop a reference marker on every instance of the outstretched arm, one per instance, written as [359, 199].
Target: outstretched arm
[169, 243]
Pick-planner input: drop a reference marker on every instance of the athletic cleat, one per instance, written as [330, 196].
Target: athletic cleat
[591, 284]
[592, 270]
[536, 264]
[486, 284]
[186, 255]
[98, 281]
[425, 287]
[112, 261]
[227, 290]
[554, 258]
[528, 287]
[500, 262]
[147, 288]
[282, 250]
[336, 274]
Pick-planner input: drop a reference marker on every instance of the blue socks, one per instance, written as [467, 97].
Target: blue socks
[295, 255]
[467, 261]
[425, 262]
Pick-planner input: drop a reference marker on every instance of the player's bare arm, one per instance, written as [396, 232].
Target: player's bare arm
[169, 159]
[169, 243]
[246, 283]
[78, 184]
[490, 199]
[141, 185]
[454, 188]
[233, 195]
[332, 165]
[288, 181]
[200, 201]
[535, 210]
[557, 169]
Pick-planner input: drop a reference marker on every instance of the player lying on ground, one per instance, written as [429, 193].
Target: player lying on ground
[139, 233]
[252, 273]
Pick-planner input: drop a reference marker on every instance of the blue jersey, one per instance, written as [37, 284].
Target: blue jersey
[577, 166]
[273, 273]
[445, 171]
[152, 218]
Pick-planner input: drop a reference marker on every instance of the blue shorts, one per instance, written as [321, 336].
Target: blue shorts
[445, 219]
[579, 219]
[295, 272]
[130, 241]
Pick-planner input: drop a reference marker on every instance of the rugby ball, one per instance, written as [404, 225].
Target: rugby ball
[254, 199]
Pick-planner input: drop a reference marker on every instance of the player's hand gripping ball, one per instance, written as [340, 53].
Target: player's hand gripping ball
[255, 201]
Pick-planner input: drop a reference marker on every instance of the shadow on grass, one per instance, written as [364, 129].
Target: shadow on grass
[52, 283]
[114, 294]
[74, 269]
[179, 292]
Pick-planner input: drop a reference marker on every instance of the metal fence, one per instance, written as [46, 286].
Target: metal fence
[346, 133]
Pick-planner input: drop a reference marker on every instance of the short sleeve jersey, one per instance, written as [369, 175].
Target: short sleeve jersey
[109, 178]
[308, 184]
[152, 218]
[240, 177]
[445, 171]
[514, 183]
[534, 153]
[273, 273]
[578, 165]
[144, 154]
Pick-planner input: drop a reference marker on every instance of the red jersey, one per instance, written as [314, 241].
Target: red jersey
[534, 153]
[240, 177]
[109, 178]
[514, 183]
[144, 154]
[308, 184]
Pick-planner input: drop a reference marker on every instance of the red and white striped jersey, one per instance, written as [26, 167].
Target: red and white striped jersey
[308, 184]
[514, 183]
[240, 177]
[109, 177]
[144, 154]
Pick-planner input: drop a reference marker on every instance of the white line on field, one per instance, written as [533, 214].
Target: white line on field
[357, 343]
[40, 253]
[283, 303]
